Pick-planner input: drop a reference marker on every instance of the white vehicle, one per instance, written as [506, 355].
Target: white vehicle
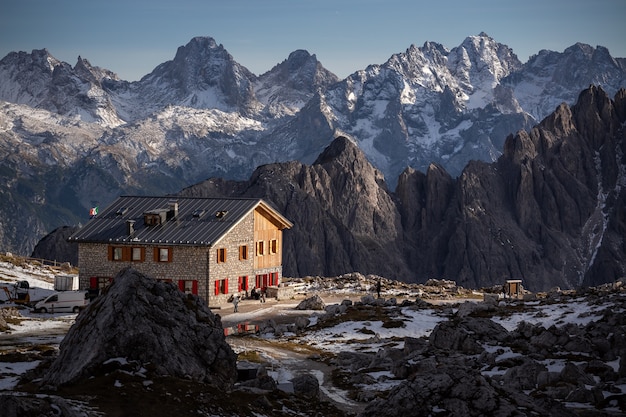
[73, 301]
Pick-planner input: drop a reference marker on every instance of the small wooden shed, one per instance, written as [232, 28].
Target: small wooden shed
[513, 288]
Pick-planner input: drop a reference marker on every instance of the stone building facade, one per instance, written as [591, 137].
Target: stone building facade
[243, 254]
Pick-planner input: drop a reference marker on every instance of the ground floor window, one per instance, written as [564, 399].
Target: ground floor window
[266, 280]
[188, 286]
[221, 286]
[99, 282]
[243, 283]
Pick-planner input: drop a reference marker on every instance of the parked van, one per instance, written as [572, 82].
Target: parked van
[73, 301]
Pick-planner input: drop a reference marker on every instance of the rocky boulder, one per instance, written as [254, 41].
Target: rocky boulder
[150, 323]
[7, 313]
[312, 303]
[306, 385]
[21, 406]
[454, 391]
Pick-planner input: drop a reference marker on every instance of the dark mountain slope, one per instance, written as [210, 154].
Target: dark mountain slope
[550, 211]
[344, 217]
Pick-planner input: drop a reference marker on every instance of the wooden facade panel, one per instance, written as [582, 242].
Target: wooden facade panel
[268, 236]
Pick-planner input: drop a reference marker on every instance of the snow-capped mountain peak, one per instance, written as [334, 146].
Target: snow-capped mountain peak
[203, 114]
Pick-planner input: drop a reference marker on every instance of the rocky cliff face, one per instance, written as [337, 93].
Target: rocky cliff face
[550, 211]
[54, 246]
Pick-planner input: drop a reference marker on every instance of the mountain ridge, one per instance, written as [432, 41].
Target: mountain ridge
[92, 136]
[549, 211]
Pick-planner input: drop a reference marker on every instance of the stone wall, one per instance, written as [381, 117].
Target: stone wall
[188, 263]
[233, 268]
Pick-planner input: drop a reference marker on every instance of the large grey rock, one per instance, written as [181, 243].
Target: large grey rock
[312, 303]
[139, 319]
[456, 391]
[306, 385]
[525, 375]
[466, 335]
[45, 406]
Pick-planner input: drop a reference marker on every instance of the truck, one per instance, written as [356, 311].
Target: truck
[63, 301]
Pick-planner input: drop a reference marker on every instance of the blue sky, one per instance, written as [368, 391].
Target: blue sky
[132, 37]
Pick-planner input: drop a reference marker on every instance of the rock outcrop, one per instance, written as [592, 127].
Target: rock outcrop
[54, 246]
[151, 324]
[312, 303]
[471, 365]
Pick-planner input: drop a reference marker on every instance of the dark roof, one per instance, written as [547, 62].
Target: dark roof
[200, 221]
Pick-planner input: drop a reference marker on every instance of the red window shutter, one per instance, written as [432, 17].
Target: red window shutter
[225, 285]
[194, 287]
[93, 282]
[239, 285]
[155, 254]
[181, 285]
[110, 253]
[169, 254]
[217, 287]
[245, 283]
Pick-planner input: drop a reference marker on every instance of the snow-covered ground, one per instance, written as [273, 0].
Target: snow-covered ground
[31, 329]
[281, 352]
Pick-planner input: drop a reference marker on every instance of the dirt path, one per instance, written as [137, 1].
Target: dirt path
[284, 361]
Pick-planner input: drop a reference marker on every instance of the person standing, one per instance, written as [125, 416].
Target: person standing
[236, 302]
[378, 287]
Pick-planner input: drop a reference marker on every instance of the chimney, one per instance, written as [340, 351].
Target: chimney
[130, 227]
[173, 209]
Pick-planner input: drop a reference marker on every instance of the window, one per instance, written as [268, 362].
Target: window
[260, 248]
[221, 255]
[99, 282]
[243, 252]
[243, 283]
[273, 246]
[138, 255]
[118, 253]
[126, 254]
[163, 254]
[221, 286]
[262, 281]
[188, 286]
